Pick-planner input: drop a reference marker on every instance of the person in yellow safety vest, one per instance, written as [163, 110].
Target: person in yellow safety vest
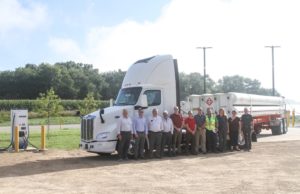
[211, 125]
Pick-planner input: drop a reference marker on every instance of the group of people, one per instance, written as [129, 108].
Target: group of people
[204, 132]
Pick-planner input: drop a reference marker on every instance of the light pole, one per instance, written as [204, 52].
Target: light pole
[273, 75]
[204, 49]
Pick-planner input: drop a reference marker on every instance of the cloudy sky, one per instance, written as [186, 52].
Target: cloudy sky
[113, 34]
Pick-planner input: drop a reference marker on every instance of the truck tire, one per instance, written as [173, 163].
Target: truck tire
[277, 130]
[131, 149]
[284, 126]
[130, 152]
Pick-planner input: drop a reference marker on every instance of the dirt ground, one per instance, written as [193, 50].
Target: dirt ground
[271, 167]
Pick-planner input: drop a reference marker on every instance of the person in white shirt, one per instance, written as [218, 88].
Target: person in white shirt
[125, 132]
[155, 127]
[167, 133]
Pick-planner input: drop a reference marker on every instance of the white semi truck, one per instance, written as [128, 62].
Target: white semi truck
[154, 83]
[149, 83]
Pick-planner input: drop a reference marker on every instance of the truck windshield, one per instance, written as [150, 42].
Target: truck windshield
[128, 96]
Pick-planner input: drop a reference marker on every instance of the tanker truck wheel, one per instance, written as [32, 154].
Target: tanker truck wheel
[277, 130]
[284, 126]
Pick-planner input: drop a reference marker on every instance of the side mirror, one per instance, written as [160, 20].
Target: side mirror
[143, 102]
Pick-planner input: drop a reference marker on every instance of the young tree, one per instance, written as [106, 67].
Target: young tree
[49, 105]
[89, 104]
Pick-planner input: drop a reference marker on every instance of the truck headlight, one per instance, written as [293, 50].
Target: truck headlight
[102, 136]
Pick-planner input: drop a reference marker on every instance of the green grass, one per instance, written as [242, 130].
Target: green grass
[53, 121]
[66, 139]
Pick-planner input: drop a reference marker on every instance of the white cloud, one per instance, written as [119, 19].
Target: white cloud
[237, 31]
[14, 15]
[66, 47]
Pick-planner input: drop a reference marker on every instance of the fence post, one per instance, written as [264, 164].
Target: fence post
[43, 138]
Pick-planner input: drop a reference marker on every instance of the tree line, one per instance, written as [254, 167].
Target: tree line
[72, 80]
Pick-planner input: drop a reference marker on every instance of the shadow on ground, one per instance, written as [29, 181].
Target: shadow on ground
[63, 164]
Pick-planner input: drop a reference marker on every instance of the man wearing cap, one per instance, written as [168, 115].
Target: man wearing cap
[140, 130]
[155, 127]
[177, 133]
[167, 133]
[124, 134]
[200, 135]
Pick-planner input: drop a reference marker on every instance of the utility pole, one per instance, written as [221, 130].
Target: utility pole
[273, 75]
[204, 53]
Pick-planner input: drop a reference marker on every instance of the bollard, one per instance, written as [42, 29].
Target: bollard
[293, 118]
[43, 138]
[288, 118]
[16, 138]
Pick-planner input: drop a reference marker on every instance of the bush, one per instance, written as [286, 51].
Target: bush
[4, 116]
[30, 105]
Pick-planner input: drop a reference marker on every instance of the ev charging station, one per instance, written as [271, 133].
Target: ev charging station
[19, 118]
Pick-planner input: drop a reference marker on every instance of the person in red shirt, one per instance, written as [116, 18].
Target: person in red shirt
[190, 126]
[177, 133]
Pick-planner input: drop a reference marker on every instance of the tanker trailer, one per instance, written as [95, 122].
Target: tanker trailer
[268, 111]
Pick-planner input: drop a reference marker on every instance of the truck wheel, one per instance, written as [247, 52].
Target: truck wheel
[274, 130]
[277, 130]
[284, 126]
[130, 152]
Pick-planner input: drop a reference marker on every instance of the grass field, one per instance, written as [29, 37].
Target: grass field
[66, 139]
[53, 121]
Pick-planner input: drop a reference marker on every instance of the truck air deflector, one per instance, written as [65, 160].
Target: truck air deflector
[177, 83]
[146, 60]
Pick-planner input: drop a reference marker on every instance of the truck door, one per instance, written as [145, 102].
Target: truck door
[154, 98]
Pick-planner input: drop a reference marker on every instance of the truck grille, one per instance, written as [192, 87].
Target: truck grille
[87, 128]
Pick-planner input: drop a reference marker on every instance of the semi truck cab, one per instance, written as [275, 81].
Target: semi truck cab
[149, 83]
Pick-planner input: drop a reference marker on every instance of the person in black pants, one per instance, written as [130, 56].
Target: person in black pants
[211, 125]
[125, 132]
[234, 127]
[222, 130]
[247, 125]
